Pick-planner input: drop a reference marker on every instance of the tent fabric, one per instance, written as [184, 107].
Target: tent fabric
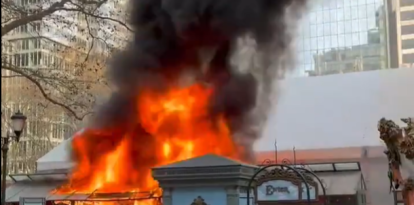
[29, 190]
[13, 191]
[310, 112]
[58, 158]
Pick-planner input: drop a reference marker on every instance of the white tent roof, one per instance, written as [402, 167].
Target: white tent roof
[57, 158]
[338, 110]
[319, 112]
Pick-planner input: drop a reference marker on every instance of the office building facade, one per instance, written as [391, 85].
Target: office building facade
[400, 15]
[340, 36]
[37, 46]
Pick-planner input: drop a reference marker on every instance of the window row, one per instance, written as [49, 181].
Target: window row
[332, 68]
[347, 13]
[39, 58]
[29, 2]
[340, 55]
[328, 69]
[18, 167]
[29, 59]
[36, 43]
[342, 27]
[42, 128]
[338, 41]
[32, 27]
[332, 4]
[26, 44]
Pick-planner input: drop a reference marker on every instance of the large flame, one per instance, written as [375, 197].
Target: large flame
[175, 125]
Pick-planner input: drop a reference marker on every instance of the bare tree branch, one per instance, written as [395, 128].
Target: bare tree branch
[45, 95]
[58, 87]
[30, 18]
[72, 88]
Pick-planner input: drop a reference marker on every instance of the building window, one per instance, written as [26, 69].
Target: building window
[33, 57]
[50, 60]
[407, 15]
[36, 58]
[407, 44]
[32, 128]
[23, 28]
[25, 44]
[25, 59]
[407, 30]
[406, 3]
[23, 148]
[55, 131]
[349, 27]
[39, 58]
[17, 60]
[36, 26]
[24, 2]
[408, 58]
[36, 43]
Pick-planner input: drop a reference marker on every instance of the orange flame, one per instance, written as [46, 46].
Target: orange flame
[176, 127]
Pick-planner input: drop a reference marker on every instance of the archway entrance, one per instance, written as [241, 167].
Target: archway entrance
[284, 187]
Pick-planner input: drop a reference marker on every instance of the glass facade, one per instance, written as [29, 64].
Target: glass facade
[339, 36]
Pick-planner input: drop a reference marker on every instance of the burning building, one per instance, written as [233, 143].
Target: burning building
[352, 167]
[181, 115]
[177, 96]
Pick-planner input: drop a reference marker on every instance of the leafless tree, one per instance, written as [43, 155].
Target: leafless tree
[93, 29]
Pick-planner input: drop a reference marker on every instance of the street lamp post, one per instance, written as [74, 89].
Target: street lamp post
[18, 123]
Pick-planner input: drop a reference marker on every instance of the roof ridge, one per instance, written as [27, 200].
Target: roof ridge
[206, 160]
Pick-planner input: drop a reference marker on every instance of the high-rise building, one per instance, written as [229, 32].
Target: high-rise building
[400, 15]
[37, 46]
[339, 36]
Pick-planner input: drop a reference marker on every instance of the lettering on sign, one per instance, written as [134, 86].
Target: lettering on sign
[270, 190]
[278, 190]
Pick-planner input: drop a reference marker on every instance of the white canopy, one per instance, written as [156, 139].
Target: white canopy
[58, 158]
[338, 110]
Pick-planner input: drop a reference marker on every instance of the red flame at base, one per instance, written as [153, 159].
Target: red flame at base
[173, 126]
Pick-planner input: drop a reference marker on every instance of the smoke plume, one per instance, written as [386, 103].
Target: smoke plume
[174, 38]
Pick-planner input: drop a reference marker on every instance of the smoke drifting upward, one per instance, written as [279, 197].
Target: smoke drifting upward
[198, 37]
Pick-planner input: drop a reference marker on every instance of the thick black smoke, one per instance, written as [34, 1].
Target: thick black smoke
[170, 34]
